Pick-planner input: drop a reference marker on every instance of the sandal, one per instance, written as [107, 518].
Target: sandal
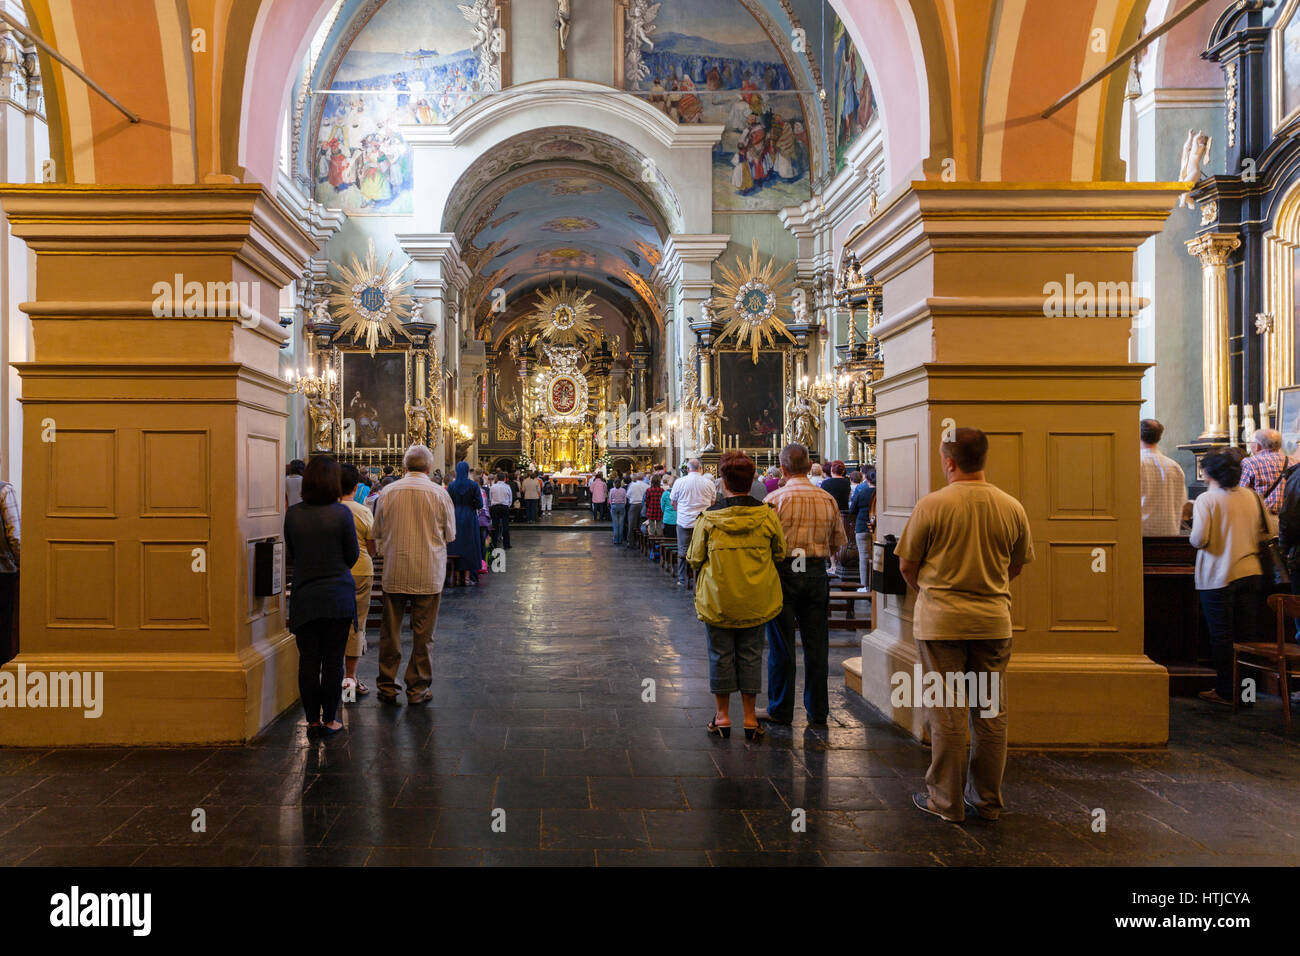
[753, 733]
[719, 731]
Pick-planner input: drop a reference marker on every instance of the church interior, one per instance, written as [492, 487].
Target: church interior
[595, 239]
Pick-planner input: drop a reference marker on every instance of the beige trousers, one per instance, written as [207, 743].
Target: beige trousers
[959, 768]
[419, 669]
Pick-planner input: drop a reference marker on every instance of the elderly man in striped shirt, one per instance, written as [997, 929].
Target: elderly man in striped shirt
[414, 520]
[1264, 466]
[813, 530]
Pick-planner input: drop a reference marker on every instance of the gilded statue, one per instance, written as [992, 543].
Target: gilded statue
[324, 413]
[710, 417]
[804, 417]
[418, 420]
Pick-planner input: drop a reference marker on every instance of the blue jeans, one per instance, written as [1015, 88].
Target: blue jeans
[735, 659]
[806, 596]
[683, 545]
[1230, 613]
[619, 512]
[530, 506]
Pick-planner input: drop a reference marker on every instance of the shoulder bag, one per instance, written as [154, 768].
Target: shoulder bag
[1271, 559]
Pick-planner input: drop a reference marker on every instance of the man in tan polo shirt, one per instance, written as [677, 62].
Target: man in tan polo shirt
[961, 549]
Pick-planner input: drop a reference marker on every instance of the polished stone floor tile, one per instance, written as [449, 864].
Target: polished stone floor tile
[594, 829]
[627, 793]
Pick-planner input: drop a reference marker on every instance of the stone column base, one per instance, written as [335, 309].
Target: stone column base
[150, 699]
[1053, 700]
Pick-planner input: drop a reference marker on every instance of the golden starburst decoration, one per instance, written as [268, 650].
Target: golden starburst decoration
[564, 316]
[753, 296]
[372, 299]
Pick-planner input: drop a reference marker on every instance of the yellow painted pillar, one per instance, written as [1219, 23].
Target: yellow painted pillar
[153, 459]
[1009, 308]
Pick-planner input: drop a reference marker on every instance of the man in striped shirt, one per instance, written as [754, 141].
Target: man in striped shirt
[810, 519]
[414, 520]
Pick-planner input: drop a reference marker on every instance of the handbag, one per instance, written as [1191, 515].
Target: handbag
[1271, 559]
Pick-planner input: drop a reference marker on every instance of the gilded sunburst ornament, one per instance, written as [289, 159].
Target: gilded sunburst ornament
[751, 301]
[564, 316]
[372, 300]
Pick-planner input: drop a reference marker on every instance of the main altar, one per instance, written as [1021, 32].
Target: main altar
[564, 361]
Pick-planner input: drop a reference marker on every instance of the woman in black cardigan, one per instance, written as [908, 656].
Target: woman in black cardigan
[322, 541]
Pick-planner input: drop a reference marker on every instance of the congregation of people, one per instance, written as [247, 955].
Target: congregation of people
[762, 550]
[1245, 528]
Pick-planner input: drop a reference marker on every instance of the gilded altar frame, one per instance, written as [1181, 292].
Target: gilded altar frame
[340, 358]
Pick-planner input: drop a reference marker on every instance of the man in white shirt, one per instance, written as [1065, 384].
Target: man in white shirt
[414, 520]
[635, 501]
[1164, 486]
[500, 499]
[691, 496]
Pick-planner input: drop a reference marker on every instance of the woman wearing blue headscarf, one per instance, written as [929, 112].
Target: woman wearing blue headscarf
[465, 553]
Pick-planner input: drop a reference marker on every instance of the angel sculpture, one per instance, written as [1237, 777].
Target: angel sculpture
[324, 412]
[321, 314]
[640, 24]
[1196, 154]
[482, 17]
[417, 311]
[710, 415]
[804, 417]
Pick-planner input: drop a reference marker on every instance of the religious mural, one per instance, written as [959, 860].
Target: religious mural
[855, 102]
[414, 62]
[712, 62]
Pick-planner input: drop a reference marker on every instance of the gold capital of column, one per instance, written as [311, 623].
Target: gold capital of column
[1213, 250]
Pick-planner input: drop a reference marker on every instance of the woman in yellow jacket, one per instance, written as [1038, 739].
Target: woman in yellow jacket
[734, 550]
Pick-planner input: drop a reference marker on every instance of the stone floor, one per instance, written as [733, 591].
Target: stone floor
[538, 722]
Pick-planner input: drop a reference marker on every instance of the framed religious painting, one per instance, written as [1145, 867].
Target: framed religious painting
[753, 397]
[1288, 418]
[374, 392]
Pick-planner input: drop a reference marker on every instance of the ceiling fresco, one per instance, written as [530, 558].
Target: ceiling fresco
[560, 223]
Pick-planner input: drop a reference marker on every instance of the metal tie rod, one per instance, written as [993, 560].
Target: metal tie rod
[1116, 63]
[18, 27]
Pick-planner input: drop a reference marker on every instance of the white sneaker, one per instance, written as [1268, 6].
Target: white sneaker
[864, 590]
